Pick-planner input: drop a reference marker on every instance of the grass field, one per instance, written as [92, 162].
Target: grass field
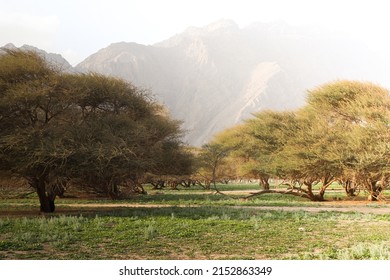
[191, 224]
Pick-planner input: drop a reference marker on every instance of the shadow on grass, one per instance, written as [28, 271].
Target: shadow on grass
[160, 198]
[213, 212]
[193, 199]
[190, 212]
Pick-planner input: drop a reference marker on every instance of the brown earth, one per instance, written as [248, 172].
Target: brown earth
[365, 207]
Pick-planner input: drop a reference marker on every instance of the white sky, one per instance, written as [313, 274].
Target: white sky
[78, 28]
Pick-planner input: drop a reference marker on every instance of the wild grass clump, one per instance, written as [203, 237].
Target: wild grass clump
[365, 251]
[358, 251]
[151, 231]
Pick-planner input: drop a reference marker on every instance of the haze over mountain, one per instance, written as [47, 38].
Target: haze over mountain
[215, 76]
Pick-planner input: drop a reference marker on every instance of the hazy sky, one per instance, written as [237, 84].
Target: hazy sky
[78, 28]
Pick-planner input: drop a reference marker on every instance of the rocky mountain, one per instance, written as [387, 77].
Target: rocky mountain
[215, 76]
[53, 58]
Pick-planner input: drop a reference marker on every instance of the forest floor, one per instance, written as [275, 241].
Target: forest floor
[364, 207]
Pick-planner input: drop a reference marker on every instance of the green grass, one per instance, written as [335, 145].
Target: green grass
[181, 197]
[174, 199]
[194, 196]
[196, 233]
[207, 227]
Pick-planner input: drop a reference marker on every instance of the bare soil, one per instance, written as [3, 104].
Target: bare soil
[366, 207]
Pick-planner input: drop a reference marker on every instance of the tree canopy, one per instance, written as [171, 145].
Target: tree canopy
[99, 130]
[342, 134]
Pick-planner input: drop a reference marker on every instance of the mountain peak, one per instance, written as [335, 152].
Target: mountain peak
[221, 24]
[9, 46]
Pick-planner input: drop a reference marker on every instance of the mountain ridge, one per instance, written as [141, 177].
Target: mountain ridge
[215, 76]
[204, 83]
[55, 59]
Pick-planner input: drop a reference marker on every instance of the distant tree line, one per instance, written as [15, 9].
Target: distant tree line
[341, 135]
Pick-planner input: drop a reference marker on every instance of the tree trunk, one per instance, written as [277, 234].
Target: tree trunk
[186, 183]
[312, 196]
[264, 183]
[319, 196]
[173, 184]
[158, 185]
[46, 200]
[350, 188]
[113, 191]
[326, 182]
[375, 191]
[309, 186]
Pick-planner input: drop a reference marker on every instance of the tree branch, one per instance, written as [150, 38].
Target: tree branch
[289, 192]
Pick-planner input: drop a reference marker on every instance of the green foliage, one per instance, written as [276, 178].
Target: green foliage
[360, 114]
[269, 133]
[342, 134]
[102, 131]
[211, 162]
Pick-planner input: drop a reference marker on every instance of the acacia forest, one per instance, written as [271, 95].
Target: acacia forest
[106, 136]
[92, 167]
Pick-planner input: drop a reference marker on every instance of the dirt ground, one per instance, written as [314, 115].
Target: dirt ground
[365, 207]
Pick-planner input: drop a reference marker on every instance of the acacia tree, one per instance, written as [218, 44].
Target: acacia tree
[268, 132]
[32, 99]
[174, 165]
[359, 113]
[210, 159]
[257, 143]
[121, 135]
[231, 141]
[312, 155]
[102, 131]
[341, 134]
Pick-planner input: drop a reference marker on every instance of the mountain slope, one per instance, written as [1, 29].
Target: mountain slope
[215, 76]
[53, 58]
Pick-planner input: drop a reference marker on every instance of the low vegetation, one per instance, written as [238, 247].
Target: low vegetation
[203, 226]
[112, 162]
[193, 224]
